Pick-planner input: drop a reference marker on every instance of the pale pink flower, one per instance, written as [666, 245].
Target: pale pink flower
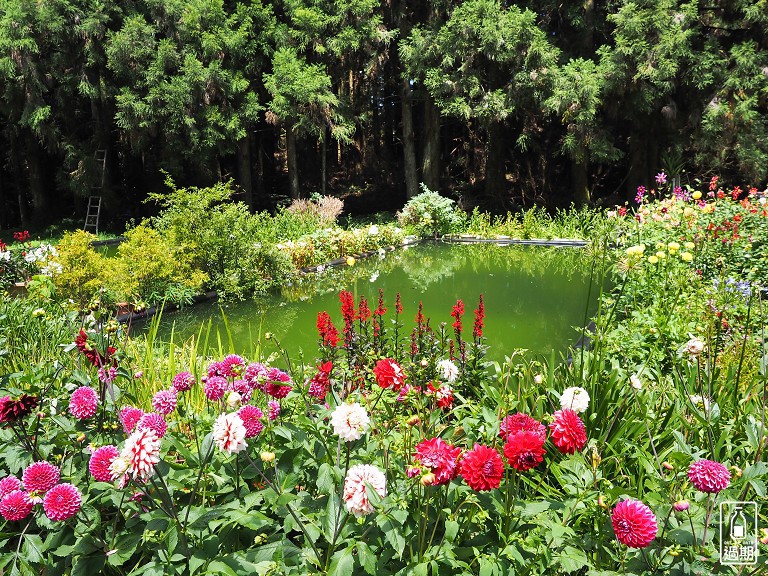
[164, 402]
[273, 410]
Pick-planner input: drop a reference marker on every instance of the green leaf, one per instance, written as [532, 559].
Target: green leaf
[33, 548]
[88, 565]
[219, 567]
[342, 563]
[366, 557]
[392, 533]
[572, 559]
[451, 530]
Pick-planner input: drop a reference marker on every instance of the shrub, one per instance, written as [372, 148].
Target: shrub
[83, 271]
[325, 209]
[430, 215]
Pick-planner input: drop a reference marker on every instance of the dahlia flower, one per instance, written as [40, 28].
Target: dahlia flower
[709, 476]
[448, 371]
[389, 374]
[183, 381]
[100, 462]
[520, 422]
[251, 417]
[524, 450]
[129, 417]
[164, 402]
[83, 403]
[634, 523]
[482, 468]
[15, 505]
[441, 458]
[155, 422]
[575, 398]
[215, 387]
[229, 433]
[62, 501]
[140, 453]
[359, 477]
[568, 432]
[350, 421]
[9, 484]
[39, 477]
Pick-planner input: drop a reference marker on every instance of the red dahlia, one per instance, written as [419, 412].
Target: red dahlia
[440, 457]
[482, 468]
[520, 422]
[389, 374]
[568, 432]
[524, 450]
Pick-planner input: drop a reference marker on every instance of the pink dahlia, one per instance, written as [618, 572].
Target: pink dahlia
[129, 417]
[164, 402]
[389, 374]
[709, 476]
[256, 374]
[441, 458]
[215, 369]
[277, 390]
[232, 366]
[101, 460]
[39, 477]
[634, 523]
[140, 454]
[183, 381]
[215, 387]
[9, 484]
[356, 483]
[229, 433]
[273, 410]
[520, 422]
[568, 432]
[482, 468]
[62, 502]
[16, 505]
[107, 374]
[524, 450]
[243, 388]
[83, 403]
[251, 416]
[154, 422]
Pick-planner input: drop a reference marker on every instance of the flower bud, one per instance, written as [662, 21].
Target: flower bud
[538, 379]
[412, 471]
[428, 479]
[350, 261]
[267, 457]
[81, 438]
[601, 502]
[413, 420]
[736, 471]
[681, 505]
[667, 465]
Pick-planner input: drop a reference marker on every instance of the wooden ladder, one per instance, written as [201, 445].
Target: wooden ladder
[92, 216]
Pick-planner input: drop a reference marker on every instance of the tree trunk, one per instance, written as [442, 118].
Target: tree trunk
[409, 147]
[495, 173]
[323, 163]
[293, 165]
[430, 165]
[580, 179]
[34, 165]
[244, 168]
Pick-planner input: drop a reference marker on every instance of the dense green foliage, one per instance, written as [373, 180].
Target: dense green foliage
[502, 104]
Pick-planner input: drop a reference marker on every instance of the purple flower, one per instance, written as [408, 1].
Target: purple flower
[661, 178]
[640, 194]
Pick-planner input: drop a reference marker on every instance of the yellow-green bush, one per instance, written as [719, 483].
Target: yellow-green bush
[83, 270]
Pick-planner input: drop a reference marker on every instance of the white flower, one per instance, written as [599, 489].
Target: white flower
[694, 347]
[538, 379]
[350, 421]
[635, 382]
[374, 276]
[448, 370]
[320, 268]
[382, 252]
[373, 230]
[359, 477]
[5, 255]
[233, 399]
[701, 402]
[229, 433]
[574, 398]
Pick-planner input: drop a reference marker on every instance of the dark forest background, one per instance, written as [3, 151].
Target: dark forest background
[497, 104]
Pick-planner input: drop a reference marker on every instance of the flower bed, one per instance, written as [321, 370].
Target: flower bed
[400, 450]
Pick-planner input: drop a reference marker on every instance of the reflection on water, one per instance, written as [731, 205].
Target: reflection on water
[534, 297]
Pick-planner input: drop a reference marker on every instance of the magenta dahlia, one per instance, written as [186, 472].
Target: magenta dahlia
[524, 450]
[129, 417]
[153, 421]
[709, 476]
[39, 477]
[183, 381]
[482, 468]
[62, 502]
[634, 523]
[251, 416]
[164, 402]
[16, 505]
[243, 388]
[232, 366]
[568, 432]
[101, 460]
[215, 387]
[273, 410]
[83, 403]
[9, 484]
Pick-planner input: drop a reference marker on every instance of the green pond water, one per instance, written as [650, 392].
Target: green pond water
[534, 298]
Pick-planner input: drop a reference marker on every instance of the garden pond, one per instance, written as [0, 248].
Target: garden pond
[536, 297]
